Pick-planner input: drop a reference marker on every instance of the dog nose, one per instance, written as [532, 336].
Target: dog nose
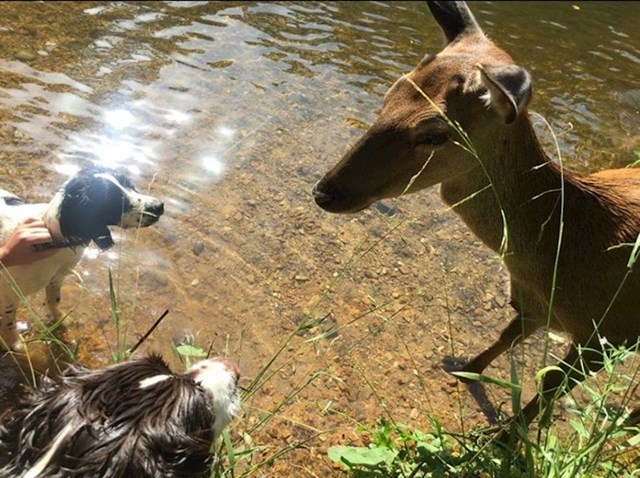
[156, 209]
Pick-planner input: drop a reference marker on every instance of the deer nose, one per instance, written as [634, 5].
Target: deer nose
[323, 194]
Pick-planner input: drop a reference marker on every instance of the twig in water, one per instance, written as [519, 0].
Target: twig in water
[148, 332]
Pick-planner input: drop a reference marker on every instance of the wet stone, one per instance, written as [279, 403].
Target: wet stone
[170, 238]
[385, 209]
[183, 337]
[25, 55]
[197, 248]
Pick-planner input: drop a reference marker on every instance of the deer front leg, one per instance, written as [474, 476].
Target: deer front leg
[633, 419]
[556, 382]
[9, 333]
[528, 311]
[518, 329]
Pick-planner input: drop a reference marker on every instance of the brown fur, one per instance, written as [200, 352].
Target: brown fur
[600, 217]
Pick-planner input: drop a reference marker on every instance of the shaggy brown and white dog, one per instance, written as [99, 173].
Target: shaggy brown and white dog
[80, 212]
[136, 419]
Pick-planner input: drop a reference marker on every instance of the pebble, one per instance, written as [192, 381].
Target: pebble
[197, 248]
[451, 382]
[170, 238]
[25, 55]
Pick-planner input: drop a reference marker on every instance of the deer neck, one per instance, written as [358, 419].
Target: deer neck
[514, 201]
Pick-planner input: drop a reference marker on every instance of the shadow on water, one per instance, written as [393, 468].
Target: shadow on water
[230, 111]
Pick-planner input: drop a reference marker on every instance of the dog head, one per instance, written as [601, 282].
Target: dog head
[136, 418]
[96, 198]
[219, 377]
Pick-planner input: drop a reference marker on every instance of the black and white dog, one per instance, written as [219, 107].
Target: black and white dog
[134, 419]
[80, 212]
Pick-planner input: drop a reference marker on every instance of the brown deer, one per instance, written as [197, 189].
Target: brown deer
[459, 119]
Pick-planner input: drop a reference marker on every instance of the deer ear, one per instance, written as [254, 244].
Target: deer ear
[509, 89]
[454, 18]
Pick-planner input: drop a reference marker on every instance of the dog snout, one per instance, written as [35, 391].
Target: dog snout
[150, 212]
[156, 209]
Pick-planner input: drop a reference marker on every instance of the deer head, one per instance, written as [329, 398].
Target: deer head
[471, 85]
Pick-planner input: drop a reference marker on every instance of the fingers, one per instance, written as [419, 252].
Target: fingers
[33, 222]
[36, 236]
[33, 233]
[19, 249]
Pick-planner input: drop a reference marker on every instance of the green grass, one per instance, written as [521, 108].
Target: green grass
[593, 442]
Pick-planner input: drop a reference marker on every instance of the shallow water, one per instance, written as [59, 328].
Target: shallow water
[229, 112]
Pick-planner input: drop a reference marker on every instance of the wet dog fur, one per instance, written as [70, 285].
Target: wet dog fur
[133, 419]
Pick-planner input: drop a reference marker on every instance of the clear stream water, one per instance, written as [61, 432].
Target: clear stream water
[229, 112]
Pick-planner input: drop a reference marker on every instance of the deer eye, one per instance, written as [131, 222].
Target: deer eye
[436, 139]
[432, 132]
[432, 139]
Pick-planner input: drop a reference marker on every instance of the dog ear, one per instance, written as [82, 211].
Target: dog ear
[82, 214]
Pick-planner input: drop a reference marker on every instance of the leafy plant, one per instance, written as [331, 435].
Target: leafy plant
[595, 441]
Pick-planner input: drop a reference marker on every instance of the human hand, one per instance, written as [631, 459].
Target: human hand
[19, 248]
